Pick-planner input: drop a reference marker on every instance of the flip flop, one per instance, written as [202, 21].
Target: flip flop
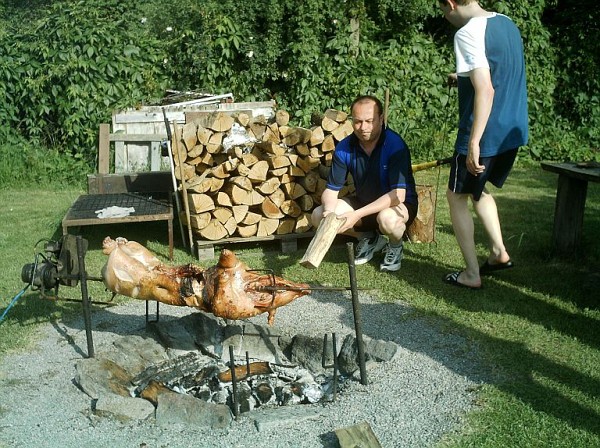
[452, 279]
[488, 269]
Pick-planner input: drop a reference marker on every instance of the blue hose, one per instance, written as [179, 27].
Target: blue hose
[13, 301]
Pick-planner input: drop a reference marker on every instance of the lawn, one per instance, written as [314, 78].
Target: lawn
[537, 326]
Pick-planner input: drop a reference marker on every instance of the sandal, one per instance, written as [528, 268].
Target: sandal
[452, 279]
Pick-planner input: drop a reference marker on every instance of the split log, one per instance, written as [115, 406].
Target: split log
[258, 172]
[243, 119]
[222, 214]
[230, 225]
[222, 199]
[286, 226]
[269, 186]
[266, 226]
[329, 125]
[317, 135]
[309, 181]
[336, 115]
[251, 218]
[291, 208]
[297, 135]
[278, 197]
[246, 231]
[200, 221]
[220, 122]
[293, 190]
[303, 223]
[282, 118]
[343, 131]
[322, 240]
[238, 195]
[242, 182]
[196, 152]
[189, 135]
[256, 198]
[271, 148]
[240, 212]
[306, 203]
[203, 135]
[214, 231]
[270, 210]
[328, 144]
[200, 202]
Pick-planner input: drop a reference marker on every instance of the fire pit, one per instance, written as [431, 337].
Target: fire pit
[187, 364]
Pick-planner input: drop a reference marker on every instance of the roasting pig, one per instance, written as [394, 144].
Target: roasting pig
[229, 290]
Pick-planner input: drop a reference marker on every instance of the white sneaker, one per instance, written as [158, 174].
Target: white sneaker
[392, 259]
[367, 247]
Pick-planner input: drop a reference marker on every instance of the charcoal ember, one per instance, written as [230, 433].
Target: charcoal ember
[203, 392]
[246, 400]
[288, 394]
[264, 392]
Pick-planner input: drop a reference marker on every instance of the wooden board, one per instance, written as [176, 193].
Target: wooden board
[289, 243]
[360, 435]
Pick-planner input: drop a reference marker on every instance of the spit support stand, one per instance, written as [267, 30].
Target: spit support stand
[357, 315]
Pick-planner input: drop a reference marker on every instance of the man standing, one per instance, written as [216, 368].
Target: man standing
[493, 124]
[386, 201]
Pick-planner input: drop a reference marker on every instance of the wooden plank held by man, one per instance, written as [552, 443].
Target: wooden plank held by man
[322, 240]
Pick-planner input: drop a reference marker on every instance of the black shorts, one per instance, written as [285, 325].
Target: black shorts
[369, 223]
[496, 171]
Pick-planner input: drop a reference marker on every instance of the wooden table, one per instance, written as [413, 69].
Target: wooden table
[83, 212]
[571, 193]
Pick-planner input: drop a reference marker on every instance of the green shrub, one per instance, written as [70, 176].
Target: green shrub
[26, 163]
[65, 66]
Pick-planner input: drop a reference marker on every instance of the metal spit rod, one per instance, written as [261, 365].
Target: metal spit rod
[236, 405]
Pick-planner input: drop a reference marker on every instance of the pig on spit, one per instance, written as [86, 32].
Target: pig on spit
[229, 290]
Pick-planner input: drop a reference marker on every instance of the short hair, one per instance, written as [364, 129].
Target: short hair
[367, 99]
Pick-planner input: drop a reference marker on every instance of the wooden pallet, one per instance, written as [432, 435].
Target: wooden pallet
[289, 243]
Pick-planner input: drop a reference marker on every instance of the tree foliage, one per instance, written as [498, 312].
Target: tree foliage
[65, 66]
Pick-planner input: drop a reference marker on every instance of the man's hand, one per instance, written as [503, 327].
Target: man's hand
[452, 80]
[473, 165]
[351, 219]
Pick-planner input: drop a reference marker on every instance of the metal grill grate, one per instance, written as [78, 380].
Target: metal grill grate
[86, 205]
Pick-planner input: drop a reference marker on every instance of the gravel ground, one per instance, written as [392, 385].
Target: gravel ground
[412, 401]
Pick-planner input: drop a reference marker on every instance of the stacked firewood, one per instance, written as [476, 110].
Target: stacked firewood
[250, 176]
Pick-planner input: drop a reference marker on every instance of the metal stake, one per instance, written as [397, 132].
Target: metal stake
[236, 406]
[85, 298]
[356, 312]
[335, 362]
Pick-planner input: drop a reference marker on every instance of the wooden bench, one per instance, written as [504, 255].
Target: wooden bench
[148, 193]
[571, 194]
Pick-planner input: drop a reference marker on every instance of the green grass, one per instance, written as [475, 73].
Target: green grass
[537, 327]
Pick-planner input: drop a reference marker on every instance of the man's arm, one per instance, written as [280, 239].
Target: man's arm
[484, 98]
[329, 200]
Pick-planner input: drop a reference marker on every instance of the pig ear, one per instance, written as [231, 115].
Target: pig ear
[227, 259]
[108, 244]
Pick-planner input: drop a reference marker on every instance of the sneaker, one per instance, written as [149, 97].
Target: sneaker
[392, 259]
[367, 247]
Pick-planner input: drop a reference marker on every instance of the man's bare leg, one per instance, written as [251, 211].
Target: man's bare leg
[488, 214]
[392, 222]
[464, 231]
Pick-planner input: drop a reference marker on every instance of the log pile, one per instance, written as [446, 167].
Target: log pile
[248, 176]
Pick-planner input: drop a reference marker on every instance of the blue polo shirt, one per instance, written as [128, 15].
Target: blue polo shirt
[492, 42]
[387, 168]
